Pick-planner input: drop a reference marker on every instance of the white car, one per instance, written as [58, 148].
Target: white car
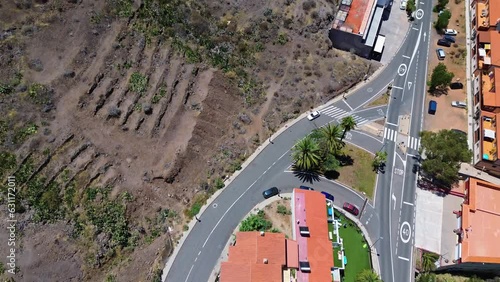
[450, 32]
[402, 5]
[313, 115]
[459, 104]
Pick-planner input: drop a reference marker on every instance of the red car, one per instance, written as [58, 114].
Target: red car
[351, 208]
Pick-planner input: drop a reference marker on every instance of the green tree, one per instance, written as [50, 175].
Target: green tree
[429, 261]
[328, 138]
[255, 222]
[444, 151]
[379, 160]
[426, 277]
[348, 123]
[442, 21]
[440, 78]
[306, 154]
[367, 275]
[440, 5]
[410, 7]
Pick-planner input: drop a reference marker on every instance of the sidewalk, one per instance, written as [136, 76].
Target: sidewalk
[468, 169]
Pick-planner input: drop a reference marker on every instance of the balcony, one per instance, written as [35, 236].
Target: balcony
[489, 138]
[482, 15]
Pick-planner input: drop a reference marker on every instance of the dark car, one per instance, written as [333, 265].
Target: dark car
[456, 85]
[273, 191]
[306, 188]
[351, 208]
[449, 38]
[432, 107]
[444, 42]
[328, 196]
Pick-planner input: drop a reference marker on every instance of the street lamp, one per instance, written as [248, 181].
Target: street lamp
[370, 248]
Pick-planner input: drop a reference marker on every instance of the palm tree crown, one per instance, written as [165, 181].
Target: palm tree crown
[331, 136]
[306, 154]
[348, 123]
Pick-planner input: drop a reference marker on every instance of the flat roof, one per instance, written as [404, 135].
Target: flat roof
[495, 48]
[494, 12]
[481, 222]
[358, 15]
[374, 27]
[496, 117]
[379, 45]
[317, 247]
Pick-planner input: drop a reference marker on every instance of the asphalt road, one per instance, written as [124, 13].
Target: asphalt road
[389, 220]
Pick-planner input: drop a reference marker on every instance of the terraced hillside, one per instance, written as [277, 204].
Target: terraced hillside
[120, 118]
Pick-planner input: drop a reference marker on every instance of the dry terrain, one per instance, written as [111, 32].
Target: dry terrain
[121, 117]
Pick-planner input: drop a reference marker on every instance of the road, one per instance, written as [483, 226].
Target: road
[389, 220]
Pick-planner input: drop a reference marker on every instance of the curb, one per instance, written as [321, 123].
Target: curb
[185, 234]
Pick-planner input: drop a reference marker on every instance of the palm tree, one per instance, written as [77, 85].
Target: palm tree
[329, 137]
[367, 275]
[348, 123]
[306, 154]
[428, 261]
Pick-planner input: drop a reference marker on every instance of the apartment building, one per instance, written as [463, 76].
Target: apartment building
[478, 230]
[485, 67]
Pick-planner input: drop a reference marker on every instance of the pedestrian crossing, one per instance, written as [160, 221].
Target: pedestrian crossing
[392, 135]
[338, 113]
[413, 142]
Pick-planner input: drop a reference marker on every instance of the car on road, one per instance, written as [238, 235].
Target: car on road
[432, 107]
[402, 5]
[351, 208]
[328, 196]
[444, 42]
[273, 191]
[449, 38]
[449, 31]
[313, 115]
[440, 53]
[456, 85]
[306, 188]
[459, 104]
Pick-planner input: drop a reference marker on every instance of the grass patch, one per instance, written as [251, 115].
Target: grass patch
[359, 175]
[358, 258]
[382, 100]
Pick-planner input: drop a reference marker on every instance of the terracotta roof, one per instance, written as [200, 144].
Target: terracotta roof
[256, 258]
[481, 223]
[484, 36]
[319, 246]
[357, 18]
[292, 254]
[494, 12]
[495, 47]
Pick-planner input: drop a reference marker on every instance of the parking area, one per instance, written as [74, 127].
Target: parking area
[394, 29]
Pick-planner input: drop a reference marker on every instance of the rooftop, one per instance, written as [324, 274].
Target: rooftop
[489, 136]
[310, 210]
[256, 258]
[494, 12]
[481, 223]
[491, 96]
[353, 15]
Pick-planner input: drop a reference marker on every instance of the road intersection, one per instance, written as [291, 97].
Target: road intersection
[389, 219]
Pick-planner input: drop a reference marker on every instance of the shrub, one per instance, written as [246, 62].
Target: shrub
[308, 5]
[138, 83]
[281, 209]
[219, 183]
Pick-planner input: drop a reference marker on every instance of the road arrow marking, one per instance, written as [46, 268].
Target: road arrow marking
[394, 199]
[409, 84]
[424, 36]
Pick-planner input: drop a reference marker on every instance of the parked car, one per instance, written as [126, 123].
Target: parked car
[456, 85]
[328, 196]
[449, 31]
[432, 107]
[459, 131]
[306, 188]
[402, 5]
[313, 115]
[444, 42]
[449, 38]
[440, 53]
[459, 104]
[273, 191]
[351, 208]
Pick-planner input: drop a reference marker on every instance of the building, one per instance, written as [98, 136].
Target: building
[260, 257]
[356, 26]
[478, 230]
[485, 67]
[310, 231]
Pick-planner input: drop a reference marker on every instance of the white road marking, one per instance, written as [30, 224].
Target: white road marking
[394, 199]
[189, 273]
[347, 104]
[414, 28]
[404, 56]
[403, 258]
[405, 230]
[390, 134]
[406, 203]
[397, 87]
[391, 123]
[230, 207]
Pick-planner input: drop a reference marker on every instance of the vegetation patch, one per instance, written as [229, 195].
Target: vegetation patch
[138, 83]
[359, 174]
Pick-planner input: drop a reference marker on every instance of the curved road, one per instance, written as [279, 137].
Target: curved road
[201, 249]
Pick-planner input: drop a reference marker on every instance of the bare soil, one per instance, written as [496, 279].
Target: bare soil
[88, 138]
[282, 222]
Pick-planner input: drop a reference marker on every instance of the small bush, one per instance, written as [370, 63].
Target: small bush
[308, 5]
[281, 209]
[219, 183]
[138, 83]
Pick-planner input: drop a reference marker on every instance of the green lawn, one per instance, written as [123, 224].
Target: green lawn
[358, 258]
[359, 175]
